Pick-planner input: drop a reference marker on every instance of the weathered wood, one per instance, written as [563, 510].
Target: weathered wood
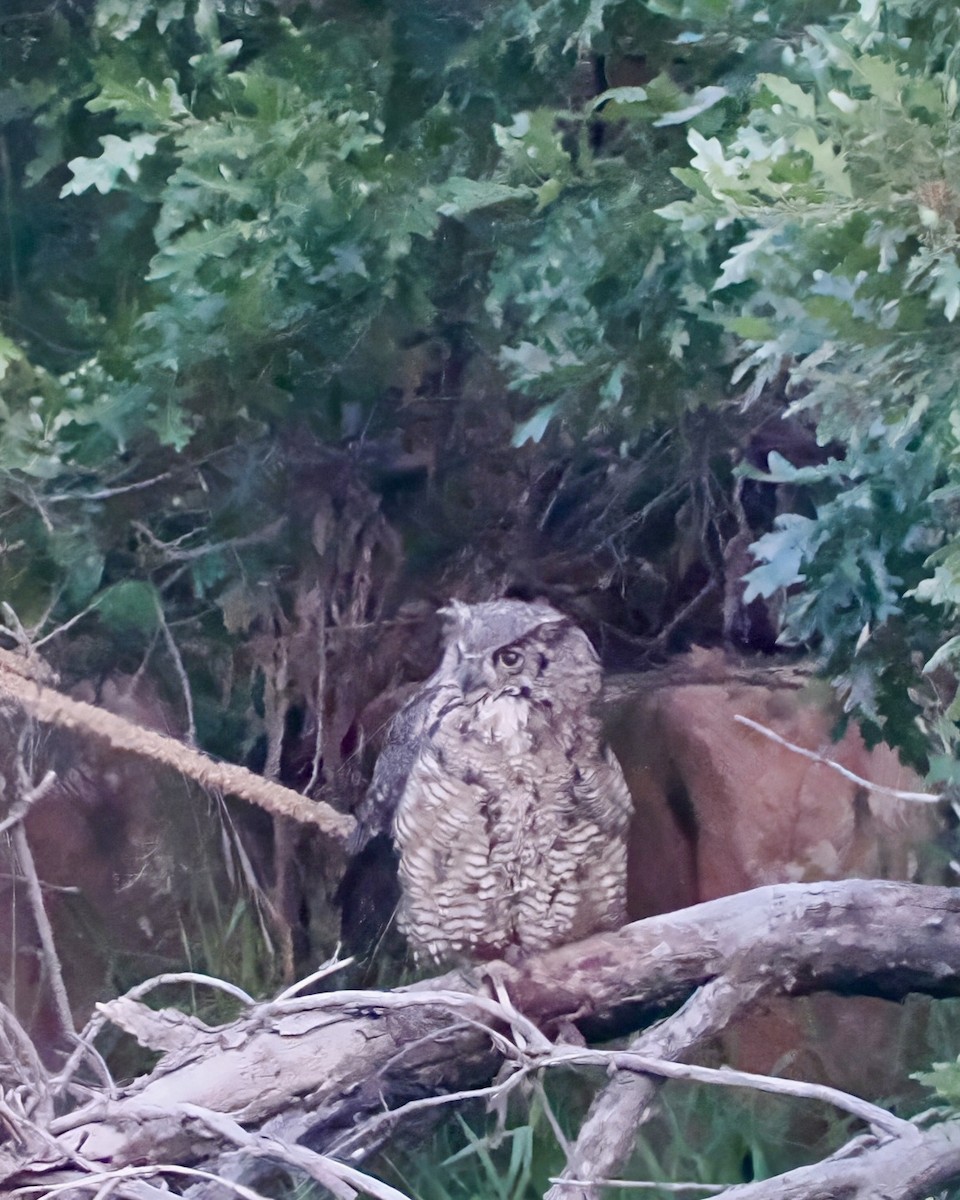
[893, 1170]
[26, 687]
[857, 937]
[329, 1065]
[864, 1169]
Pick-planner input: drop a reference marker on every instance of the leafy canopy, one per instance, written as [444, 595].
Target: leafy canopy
[227, 224]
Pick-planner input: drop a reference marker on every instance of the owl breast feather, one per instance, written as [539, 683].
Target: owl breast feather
[508, 816]
[500, 848]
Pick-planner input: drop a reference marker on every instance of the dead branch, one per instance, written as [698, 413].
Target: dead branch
[323, 1070]
[174, 651]
[648, 1185]
[108, 493]
[51, 960]
[607, 1136]
[862, 1170]
[921, 1168]
[46, 704]
[172, 553]
[879, 1120]
[609, 1131]
[814, 756]
[702, 668]
[28, 794]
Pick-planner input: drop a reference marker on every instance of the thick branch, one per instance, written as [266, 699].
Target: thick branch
[609, 1132]
[864, 1169]
[51, 707]
[856, 936]
[328, 1064]
[794, 945]
[902, 1170]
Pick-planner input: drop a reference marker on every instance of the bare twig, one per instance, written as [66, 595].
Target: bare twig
[814, 756]
[109, 493]
[14, 627]
[19, 1055]
[662, 498]
[235, 853]
[20, 807]
[877, 1118]
[367, 1000]
[24, 856]
[373, 1128]
[192, 977]
[10, 1121]
[77, 617]
[562, 1140]
[683, 613]
[319, 705]
[276, 703]
[44, 1191]
[337, 1177]
[174, 652]
[174, 554]
[48, 946]
[330, 967]
[711, 1189]
[64, 889]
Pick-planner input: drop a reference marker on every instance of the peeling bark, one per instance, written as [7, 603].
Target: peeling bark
[331, 1070]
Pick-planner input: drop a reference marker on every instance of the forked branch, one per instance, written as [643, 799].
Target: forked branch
[335, 1072]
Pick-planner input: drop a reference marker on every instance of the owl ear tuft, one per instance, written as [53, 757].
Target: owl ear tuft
[553, 627]
[454, 613]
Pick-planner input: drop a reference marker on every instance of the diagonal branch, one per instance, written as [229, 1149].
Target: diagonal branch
[51, 707]
[330, 1063]
[814, 756]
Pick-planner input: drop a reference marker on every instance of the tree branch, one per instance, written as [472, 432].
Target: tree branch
[45, 704]
[814, 756]
[907, 1171]
[312, 1069]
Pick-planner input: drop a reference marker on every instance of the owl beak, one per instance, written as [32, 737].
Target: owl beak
[474, 675]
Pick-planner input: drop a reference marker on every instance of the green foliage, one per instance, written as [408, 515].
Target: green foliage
[840, 182]
[227, 224]
[944, 1080]
[508, 1163]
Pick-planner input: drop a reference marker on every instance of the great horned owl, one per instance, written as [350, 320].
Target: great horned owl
[508, 814]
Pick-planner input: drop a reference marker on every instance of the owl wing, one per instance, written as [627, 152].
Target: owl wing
[404, 742]
[602, 794]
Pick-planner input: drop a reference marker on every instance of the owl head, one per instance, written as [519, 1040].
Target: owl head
[511, 647]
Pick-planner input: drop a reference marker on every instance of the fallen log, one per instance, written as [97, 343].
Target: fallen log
[337, 1072]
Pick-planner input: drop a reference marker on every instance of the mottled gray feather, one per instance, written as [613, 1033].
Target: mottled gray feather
[508, 813]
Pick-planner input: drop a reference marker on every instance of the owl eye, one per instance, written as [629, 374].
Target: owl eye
[509, 658]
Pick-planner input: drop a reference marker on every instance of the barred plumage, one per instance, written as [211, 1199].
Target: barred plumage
[508, 814]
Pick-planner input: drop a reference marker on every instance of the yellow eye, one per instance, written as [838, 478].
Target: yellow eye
[509, 658]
